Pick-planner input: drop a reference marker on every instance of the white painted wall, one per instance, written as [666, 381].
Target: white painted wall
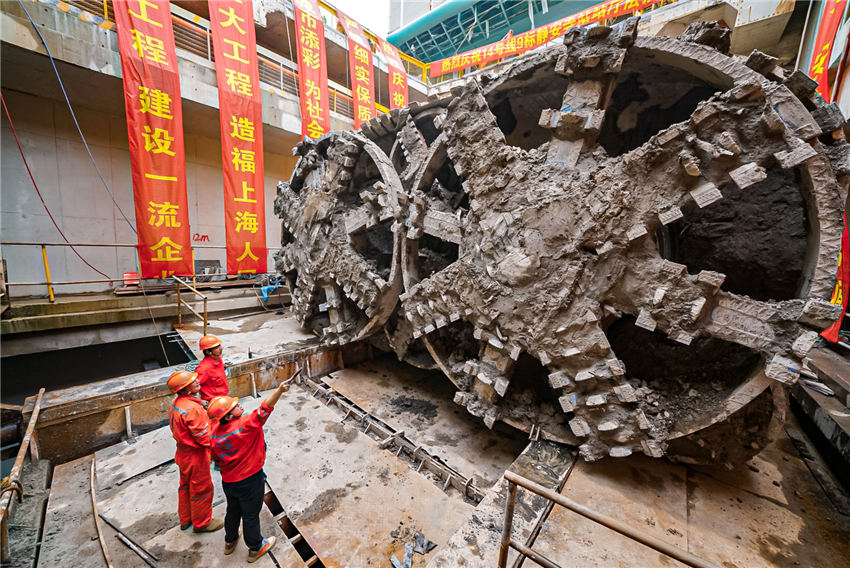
[80, 204]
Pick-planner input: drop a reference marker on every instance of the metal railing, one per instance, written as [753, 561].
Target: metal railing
[7, 501]
[192, 34]
[413, 66]
[181, 303]
[508, 542]
[50, 283]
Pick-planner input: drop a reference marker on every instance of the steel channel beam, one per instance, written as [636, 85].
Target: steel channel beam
[375, 427]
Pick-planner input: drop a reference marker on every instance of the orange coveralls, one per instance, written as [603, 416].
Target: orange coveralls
[190, 427]
[212, 377]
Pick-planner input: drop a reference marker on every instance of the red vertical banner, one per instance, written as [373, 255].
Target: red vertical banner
[360, 67]
[833, 10]
[842, 285]
[397, 76]
[312, 69]
[155, 131]
[241, 116]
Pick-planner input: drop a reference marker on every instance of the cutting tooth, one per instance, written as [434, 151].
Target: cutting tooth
[706, 194]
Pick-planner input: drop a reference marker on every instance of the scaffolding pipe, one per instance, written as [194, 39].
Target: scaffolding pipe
[47, 274]
[62, 244]
[7, 504]
[606, 521]
[508, 526]
[183, 303]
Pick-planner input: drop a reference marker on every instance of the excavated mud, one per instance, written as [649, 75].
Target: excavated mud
[616, 243]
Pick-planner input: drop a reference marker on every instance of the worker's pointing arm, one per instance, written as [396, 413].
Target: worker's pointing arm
[260, 415]
[267, 406]
[275, 396]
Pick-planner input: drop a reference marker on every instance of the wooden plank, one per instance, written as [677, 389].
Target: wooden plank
[145, 509]
[344, 494]
[69, 529]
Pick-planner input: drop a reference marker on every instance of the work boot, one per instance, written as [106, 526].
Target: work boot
[212, 526]
[229, 547]
[186, 527]
[267, 545]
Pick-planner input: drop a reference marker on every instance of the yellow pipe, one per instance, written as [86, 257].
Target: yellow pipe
[47, 273]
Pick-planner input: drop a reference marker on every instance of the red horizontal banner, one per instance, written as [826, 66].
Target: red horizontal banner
[155, 131]
[538, 36]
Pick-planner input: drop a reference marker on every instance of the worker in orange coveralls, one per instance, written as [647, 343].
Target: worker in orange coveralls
[239, 447]
[211, 373]
[190, 427]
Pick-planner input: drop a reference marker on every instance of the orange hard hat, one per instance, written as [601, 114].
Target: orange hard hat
[179, 380]
[208, 342]
[219, 406]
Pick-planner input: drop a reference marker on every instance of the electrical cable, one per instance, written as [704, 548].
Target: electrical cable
[49, 214]
[35, 185]
[289, 44]
[153, 319]
[97, 169]
[74, 116]
[99, 174]
[150, 311]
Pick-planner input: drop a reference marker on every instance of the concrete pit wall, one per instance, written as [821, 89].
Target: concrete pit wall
[76, 422]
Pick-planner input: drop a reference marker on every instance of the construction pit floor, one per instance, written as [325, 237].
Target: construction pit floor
[350, 499]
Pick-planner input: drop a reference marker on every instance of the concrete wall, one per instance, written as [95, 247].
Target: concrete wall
[89, 64]
[81, 205]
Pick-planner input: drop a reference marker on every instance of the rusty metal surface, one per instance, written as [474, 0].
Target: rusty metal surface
[476, 543]
[264, 334]
[140, 497]
[145, 508]
[77, 421]
[646, 494]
